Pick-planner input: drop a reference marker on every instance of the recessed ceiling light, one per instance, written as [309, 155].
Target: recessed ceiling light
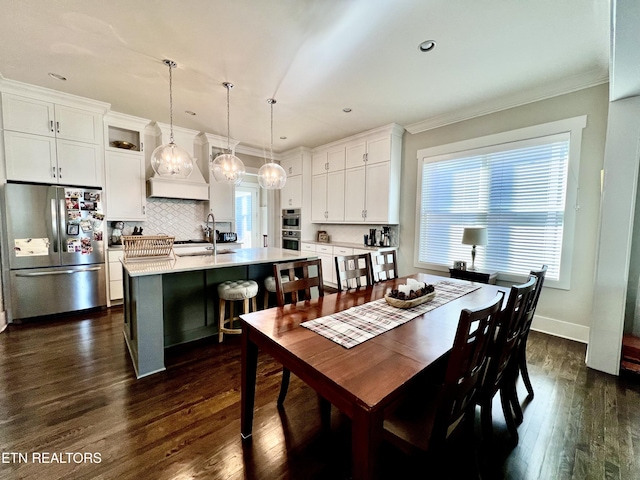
[283, 138]
[189, 112]
[427, 45]
[58, 77]
[346, 110]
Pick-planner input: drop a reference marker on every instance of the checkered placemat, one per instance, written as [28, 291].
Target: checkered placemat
[358, 324]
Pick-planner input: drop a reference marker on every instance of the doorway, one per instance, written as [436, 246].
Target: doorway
[248, 216]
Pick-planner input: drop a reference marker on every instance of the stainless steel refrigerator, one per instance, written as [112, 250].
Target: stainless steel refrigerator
[55, 249]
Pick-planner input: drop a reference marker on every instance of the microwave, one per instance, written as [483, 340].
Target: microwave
[291, 219]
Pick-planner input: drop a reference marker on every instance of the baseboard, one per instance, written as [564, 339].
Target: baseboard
[3, 320]
[558, 328]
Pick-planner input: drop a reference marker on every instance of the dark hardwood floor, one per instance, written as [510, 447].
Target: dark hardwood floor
[67, 388]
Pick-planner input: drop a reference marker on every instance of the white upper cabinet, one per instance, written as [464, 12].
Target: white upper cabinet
[222, 196]
[370, 184]
[126, 197]
[51, 142]
[291, 193]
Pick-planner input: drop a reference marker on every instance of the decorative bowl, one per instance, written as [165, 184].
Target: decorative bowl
[123, 144]
[395, 302]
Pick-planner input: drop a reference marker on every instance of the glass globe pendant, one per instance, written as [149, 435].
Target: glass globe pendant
[227, 168]
[170, 160]
[272, 176]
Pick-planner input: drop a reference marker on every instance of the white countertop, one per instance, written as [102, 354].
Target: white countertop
[241, 256]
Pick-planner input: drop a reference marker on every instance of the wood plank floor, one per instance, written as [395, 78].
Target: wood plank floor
[67, 387]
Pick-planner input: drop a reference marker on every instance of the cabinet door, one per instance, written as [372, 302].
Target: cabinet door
[355, 154]
[354, 204]
[319, 163]
[291, 194]
[126, 194]
[335, 159]
[30, 158]
[292, 165]
[377, 192]
[379, 150]
[335, 196]
[22, 114]
[78, 163]
[318, 198]
[77, 124]
[328, 268]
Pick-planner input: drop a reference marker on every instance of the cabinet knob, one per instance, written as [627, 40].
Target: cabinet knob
[142, 146]
[53, 171]
[59, 172]
[57, 127]
[290, 170]
[51, 125]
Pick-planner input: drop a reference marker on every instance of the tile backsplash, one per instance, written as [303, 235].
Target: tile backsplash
[182, 219]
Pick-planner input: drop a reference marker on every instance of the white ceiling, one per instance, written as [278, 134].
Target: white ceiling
[314, 56]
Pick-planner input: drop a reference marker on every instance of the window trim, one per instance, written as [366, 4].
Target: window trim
[573, 126]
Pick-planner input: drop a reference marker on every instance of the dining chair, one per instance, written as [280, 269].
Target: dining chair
[431, 412]
[304, 280]
[502, 369]
[352, 269]
[384, 265]
[521, 354]
[302, 272]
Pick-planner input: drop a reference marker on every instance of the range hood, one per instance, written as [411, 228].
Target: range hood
[193, 188]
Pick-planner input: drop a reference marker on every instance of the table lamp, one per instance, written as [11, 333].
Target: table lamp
[474, 236]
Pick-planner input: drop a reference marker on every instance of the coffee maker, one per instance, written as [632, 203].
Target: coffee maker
[386, 242]
[372, 237]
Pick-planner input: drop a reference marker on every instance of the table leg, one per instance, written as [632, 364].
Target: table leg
[248, 379]
[366, 438]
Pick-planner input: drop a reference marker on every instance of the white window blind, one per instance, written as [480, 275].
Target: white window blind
[517, 190]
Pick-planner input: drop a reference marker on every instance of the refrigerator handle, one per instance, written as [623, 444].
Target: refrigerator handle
[58, 272]
[54, 225]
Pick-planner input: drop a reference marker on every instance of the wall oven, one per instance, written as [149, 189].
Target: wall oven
[291, 219]
[291, 239]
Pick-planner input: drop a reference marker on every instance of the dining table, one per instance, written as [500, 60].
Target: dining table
[362, 380]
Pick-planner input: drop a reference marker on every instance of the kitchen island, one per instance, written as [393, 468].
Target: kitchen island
[175, 300]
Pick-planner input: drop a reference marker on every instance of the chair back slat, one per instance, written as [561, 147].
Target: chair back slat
[351, 269]
[301, 280]
[384, 265]
[533, 300]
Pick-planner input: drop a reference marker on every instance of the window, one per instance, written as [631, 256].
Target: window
[247, 222]
[521, 185]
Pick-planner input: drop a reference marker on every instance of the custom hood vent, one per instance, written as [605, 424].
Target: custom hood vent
[193, 188]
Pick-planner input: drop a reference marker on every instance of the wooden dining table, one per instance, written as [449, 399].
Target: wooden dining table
[360, 381]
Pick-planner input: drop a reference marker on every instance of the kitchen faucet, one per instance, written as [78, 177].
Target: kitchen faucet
[211, 231]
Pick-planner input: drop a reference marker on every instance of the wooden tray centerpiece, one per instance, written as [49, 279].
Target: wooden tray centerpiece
[410, 295]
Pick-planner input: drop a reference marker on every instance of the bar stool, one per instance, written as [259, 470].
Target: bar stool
[270, 287]
[233, 291]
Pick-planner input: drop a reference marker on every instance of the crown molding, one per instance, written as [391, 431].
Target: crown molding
[562, 87]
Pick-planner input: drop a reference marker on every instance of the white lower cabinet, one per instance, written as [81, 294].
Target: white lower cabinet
[115, 274]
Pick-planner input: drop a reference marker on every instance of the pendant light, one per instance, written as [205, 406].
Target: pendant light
[271, 176]
[227, 168]
[170, 160]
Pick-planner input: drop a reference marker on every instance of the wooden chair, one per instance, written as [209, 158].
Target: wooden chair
[429, 414]
[304, 280]
[524, 335]
[501, 373]
[384, 266]
[351, 269]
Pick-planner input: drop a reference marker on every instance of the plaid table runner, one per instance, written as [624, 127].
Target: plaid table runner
[359, 324]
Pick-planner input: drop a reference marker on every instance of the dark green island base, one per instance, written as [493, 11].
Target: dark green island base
[170, 302]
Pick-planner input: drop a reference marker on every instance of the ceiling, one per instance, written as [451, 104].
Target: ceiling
[315, 57]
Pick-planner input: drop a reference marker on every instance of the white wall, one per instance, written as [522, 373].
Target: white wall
[561, 312]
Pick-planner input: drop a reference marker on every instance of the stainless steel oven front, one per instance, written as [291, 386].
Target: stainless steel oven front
[291, 219]
[291, 239]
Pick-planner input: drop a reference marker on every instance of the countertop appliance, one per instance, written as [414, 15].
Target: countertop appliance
[54, 240]
[226, 237]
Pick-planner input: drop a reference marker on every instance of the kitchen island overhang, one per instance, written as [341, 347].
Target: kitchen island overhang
[172, 301]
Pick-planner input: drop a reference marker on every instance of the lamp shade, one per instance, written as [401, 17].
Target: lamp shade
[474, 236]
[272, 176]
[227, 168]
[171, 161]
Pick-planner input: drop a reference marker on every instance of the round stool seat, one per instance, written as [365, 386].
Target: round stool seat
[237, 289]
[270, 282]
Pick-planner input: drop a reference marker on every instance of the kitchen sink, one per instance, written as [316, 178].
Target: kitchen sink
[203, 253]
